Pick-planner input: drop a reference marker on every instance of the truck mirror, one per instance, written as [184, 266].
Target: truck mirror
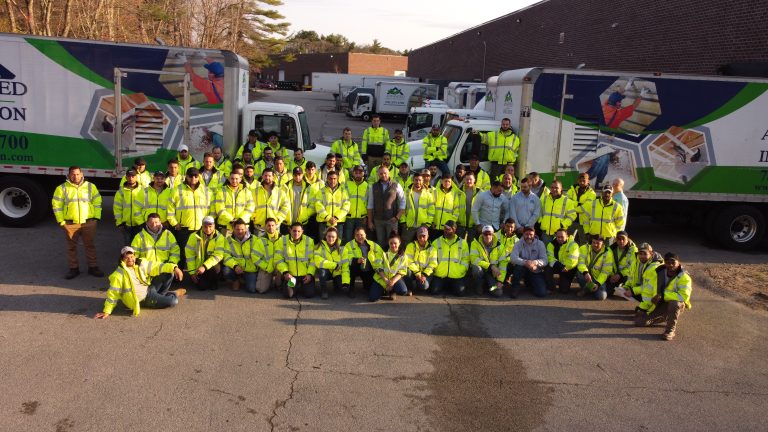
[311, 146]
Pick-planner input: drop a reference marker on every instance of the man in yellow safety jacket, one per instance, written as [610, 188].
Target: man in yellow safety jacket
[357, 191]
[489, 263]
[422, 261]
[231, 201]
[557, 211]
[673, 295]
[76, 205]
[563, 258]
[604, 216]
[155, 243]
[398, 148]
[156, 197]
[582, 194]
[348, 149]
[503, 146]
[419, 210]
[270, 201]
[204, 253]
[452, 261]
[595, 265]
[140, 283]
[436, 149]
[127, 207]
[331, 204]
[374, 141]
[294, 260]
[266, 246]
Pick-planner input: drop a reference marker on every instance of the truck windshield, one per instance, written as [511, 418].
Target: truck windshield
[452, 134]
[448, 117]
[418, 121]
[282, 124]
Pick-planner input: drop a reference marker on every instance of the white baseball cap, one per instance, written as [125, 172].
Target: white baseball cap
[126, 249]
[183, 147]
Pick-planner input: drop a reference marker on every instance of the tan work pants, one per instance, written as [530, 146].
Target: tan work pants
[73, 232]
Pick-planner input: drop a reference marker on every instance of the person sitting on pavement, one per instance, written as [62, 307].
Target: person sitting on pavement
[389, 271]
[488, 263]
[641, 284]
[529, 258]
[328, 262]
[624, 256]
[422, 261]
[140, 283]
[293, 259]
[205, 251]
[506, 235]
[155, 243]
[595, 265]
[673, 295]
[563, 257]
[240, 257]
[357, 259]
[452, 262]
[266, 246]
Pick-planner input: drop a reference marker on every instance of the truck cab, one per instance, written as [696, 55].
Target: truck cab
[421, 119]
[462, 143]
[362, 106]
[288, 121]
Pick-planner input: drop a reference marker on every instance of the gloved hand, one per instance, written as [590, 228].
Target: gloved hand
[182, 57]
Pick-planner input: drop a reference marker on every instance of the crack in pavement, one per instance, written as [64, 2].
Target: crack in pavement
[157, 332]
[281, 403]
[672, 390]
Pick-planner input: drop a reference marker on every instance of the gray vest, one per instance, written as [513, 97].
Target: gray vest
[380, 199]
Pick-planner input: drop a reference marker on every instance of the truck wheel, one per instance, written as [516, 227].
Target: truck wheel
[739, 227]
[23, 202]
[366, 117]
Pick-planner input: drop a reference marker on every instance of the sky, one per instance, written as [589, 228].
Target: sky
[397, 24]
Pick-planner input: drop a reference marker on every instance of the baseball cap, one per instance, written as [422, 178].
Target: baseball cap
[130, 172]
[622, 234]
[298, 170]
[253, 133]
[644, 247]
[126, 249]
[607, 188]
[215, 68]
[158, 174]
[422, 231]
[208, 220]
[451, 224]
[487, 228]
[436, 127]
[183, 147]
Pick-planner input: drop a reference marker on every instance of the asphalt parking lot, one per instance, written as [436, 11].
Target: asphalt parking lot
[232, 361]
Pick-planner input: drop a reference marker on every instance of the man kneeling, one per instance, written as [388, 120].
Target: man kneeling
[139, 283]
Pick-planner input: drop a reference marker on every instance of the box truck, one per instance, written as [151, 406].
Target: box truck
[99, 105]
[691, 146]
[329, 82]
[391, 99]
[455, 92]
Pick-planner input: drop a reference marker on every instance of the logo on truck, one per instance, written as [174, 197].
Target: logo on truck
[395, 91]
[8, 87]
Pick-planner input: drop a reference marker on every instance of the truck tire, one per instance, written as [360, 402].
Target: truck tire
[366, 117]
[23, 202]
[739, 227]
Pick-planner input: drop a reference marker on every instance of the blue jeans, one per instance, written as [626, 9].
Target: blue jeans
[600, 294]
[599, 169]
[414, 285]
[158, 296]
[248, 277]
[377, 290]
[536, 281]
[306, 289]
[182, 236]
[349, 228]
[324, 276]
[457, 286]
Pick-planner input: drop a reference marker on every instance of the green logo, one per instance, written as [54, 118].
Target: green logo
[394, 91]
[508, 97]
[489, 97]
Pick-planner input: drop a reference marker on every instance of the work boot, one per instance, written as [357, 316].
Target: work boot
[236, 285]
[72, 273]
[324, 294]
[668, 335]
[180, 292]
[95, 271]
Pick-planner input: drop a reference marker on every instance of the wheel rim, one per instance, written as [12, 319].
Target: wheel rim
[15, 202]
[743, 228]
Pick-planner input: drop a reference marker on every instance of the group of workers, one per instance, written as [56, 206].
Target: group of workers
[267, 220]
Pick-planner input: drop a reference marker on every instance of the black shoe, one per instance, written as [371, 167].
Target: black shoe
[73, 273]
[95, 271]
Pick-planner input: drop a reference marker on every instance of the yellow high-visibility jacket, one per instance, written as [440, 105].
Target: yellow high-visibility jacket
[598, 264]
[331, 203]
[421, 261]
[452, 257]
[448, 206]
[503, 147]
[371, 135]
[556, 213]
[604, 219]
[161, 248]
[392, 264]
[303, 211]
[231, 204]
[352, 252]
[358, 198]
[421, 212]
[435, 147]
[204, 251]
[265, 251]
[156, 202]
[582, 202]
[274, 205]
[328, 258]
[127, 206]
[568, 255]
[349, 151]
[188, 207]
[121, 283]
[76, 203]
[295, 258]
[241, 252]
[400, 152]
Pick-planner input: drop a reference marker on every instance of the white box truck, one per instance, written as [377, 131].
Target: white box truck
[329, 82]
[454, 93]
[692, 146]
[391, 99]
[99, 105]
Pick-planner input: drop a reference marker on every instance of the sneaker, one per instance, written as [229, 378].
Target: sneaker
[668, 335]
[72, 273]
[95, 271]
[324, 295]
[180, 292]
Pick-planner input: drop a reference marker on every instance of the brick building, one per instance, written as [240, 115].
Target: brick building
[352, 63]
[683, 36]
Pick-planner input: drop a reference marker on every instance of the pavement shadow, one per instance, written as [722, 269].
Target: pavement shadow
[522, 319]
[71, 305]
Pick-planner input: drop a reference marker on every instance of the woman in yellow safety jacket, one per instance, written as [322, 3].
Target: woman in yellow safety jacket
[389, 269]
[328, 261]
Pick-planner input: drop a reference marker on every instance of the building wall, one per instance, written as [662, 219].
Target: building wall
[353, 63]
[683, 36]
[376, 64]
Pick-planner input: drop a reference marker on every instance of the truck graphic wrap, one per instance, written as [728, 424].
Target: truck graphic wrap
[660, 134]
[57, 102]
